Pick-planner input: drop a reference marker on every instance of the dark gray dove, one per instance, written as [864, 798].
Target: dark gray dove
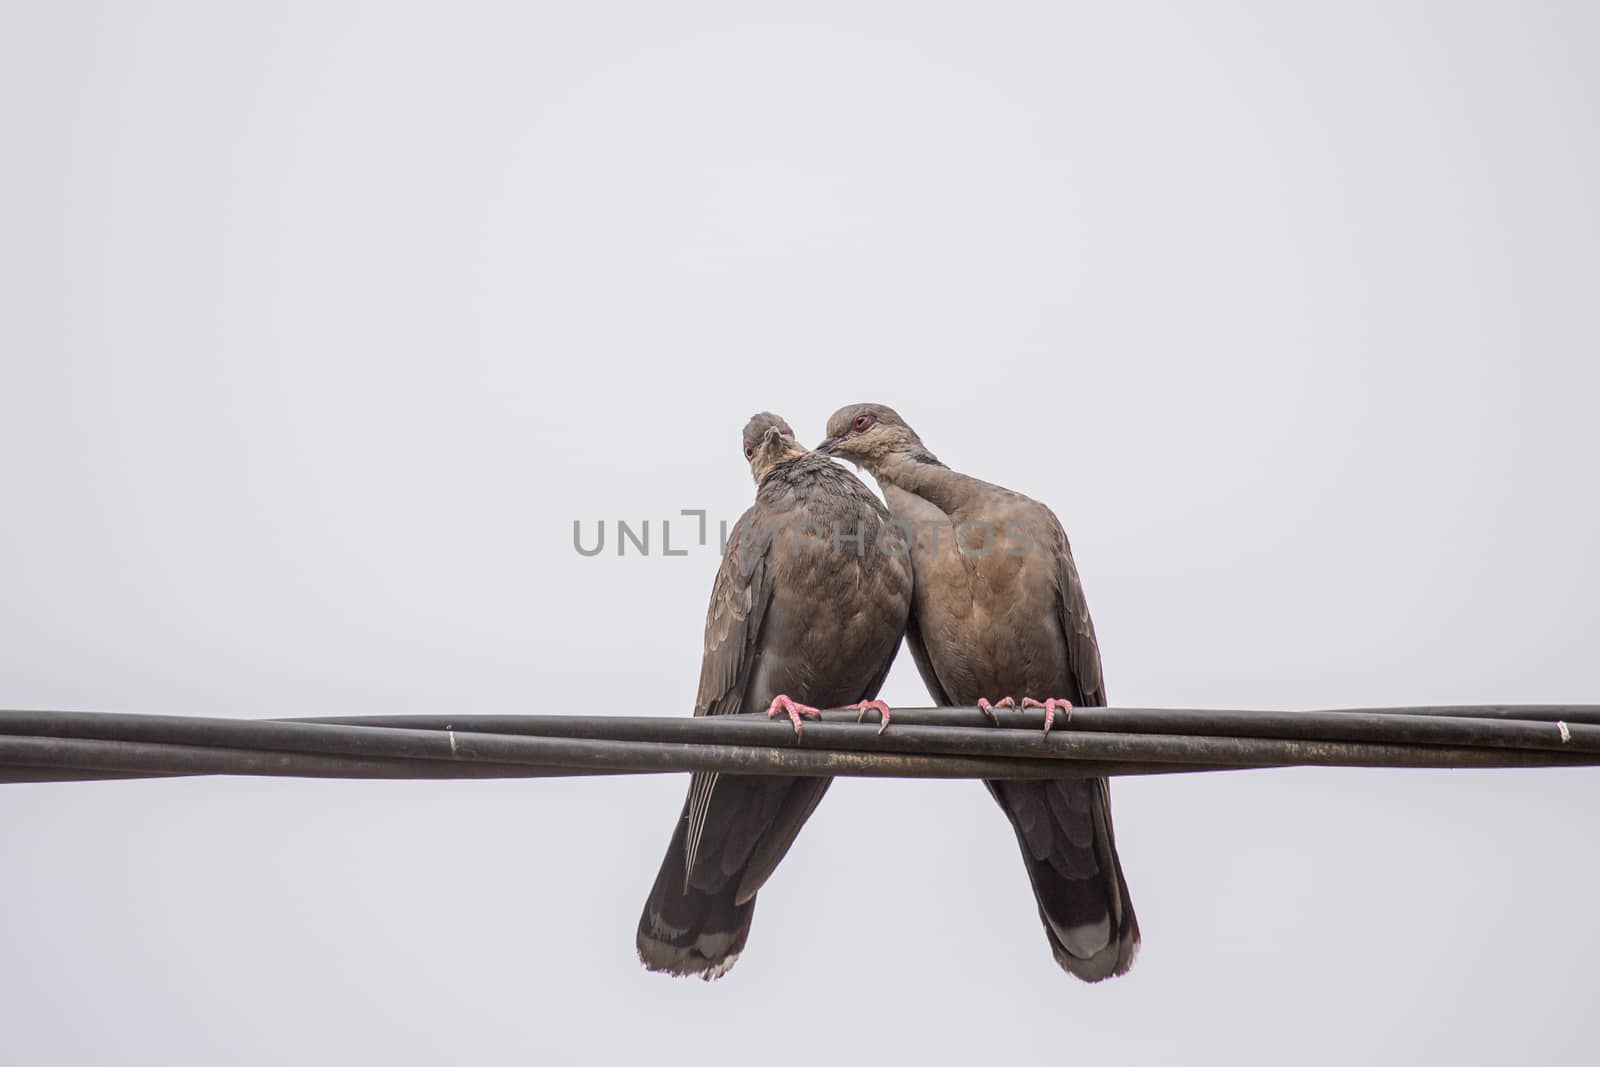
[999, 612]
[806, 612]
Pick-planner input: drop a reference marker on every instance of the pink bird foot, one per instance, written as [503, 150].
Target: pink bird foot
[1049, 707]
[988, 708]
[872, 705]
[795, 710]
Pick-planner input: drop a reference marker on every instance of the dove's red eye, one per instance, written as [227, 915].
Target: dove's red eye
[749, 453]
[863, 420]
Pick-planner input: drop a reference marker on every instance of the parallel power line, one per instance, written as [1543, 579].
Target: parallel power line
[43, 746]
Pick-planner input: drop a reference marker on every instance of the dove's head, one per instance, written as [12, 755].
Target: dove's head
[768, 443]
[870, 435]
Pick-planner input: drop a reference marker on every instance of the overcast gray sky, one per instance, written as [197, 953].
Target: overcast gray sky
[323, 322]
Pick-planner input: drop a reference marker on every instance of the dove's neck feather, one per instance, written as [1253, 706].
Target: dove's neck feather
[950, 491]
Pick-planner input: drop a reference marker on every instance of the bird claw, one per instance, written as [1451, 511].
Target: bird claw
[988, 708]
[871, 705]
[781, 703]
[1049, 707]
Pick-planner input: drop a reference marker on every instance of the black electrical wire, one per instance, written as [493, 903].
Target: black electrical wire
[1578, 731]
[921, 743]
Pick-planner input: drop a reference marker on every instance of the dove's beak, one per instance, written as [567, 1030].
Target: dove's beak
[827, 446]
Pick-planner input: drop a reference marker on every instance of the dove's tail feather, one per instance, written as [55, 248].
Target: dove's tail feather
[686, 930]
[697, 924]
[1064, 828]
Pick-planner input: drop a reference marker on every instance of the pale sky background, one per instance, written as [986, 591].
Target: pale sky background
[322, 322]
